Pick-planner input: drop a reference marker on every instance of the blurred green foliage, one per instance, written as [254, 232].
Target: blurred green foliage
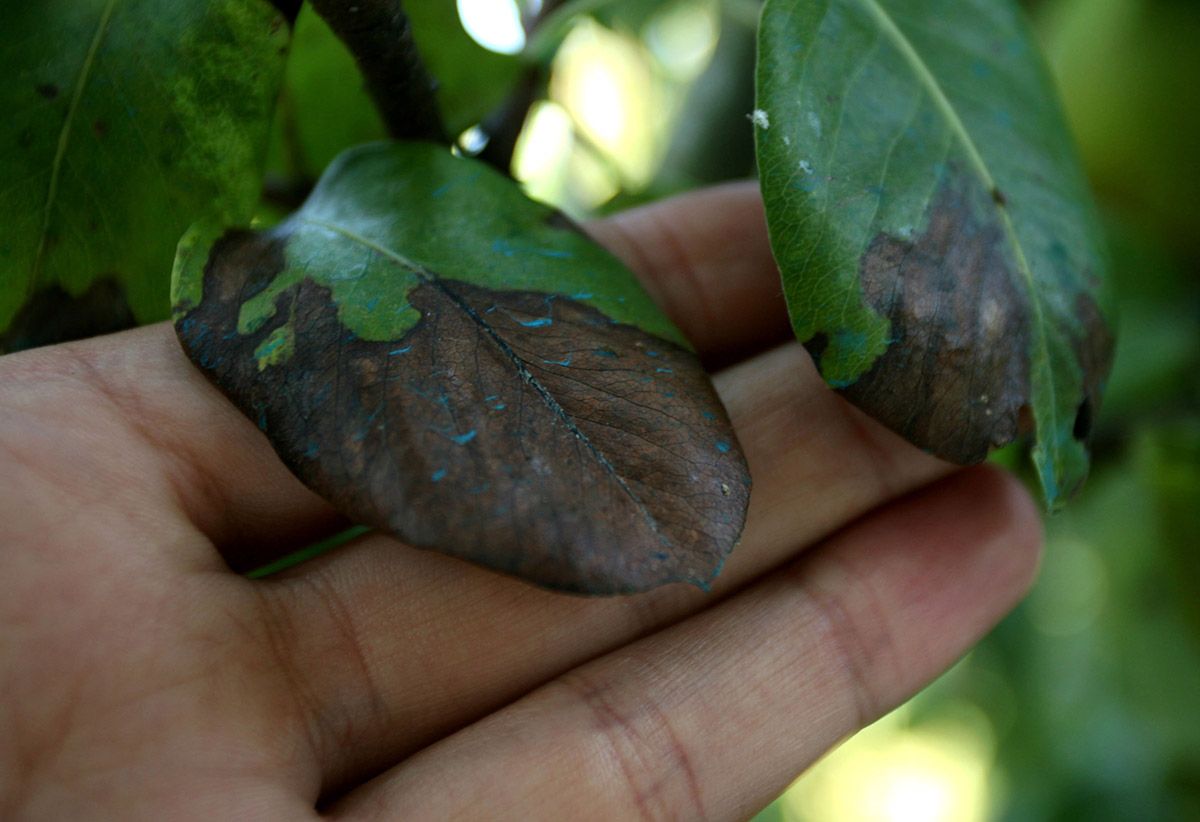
[1128, 70]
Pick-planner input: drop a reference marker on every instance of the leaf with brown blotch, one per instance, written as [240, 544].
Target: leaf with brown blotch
[940, 252]
[444, 359]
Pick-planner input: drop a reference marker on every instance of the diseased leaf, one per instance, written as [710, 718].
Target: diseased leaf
[124, 121]
[443, 358]
[938, 245]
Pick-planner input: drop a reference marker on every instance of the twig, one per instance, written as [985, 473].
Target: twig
[378, 34]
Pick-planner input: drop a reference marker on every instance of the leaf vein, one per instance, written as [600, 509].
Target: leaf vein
[64, 138]
[925, 75]
[522, 368]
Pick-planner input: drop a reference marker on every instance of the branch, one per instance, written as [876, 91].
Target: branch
[378, 34]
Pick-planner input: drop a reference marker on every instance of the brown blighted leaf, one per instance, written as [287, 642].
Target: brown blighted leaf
[939, 250]
[442, 358]
[955, 373]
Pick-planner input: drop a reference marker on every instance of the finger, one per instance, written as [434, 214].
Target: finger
[705, 258]
[151, 426]
[711, 719]
[395, 647]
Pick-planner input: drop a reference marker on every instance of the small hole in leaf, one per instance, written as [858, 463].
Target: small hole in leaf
[1083, 420]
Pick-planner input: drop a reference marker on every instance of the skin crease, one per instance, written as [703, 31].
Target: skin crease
[141, 679]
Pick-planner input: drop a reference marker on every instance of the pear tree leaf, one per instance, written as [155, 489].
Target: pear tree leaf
[124, 122]
[939, 248]
[447, 360]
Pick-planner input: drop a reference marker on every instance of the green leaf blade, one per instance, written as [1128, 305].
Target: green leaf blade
[447, 360]
[936, 237]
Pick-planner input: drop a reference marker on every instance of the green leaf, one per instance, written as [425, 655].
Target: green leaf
[939, 250]
[447, 360]
[125, 121]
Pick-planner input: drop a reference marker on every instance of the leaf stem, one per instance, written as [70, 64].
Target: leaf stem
[379, 35]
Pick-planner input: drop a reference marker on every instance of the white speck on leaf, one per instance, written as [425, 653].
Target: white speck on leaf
[806, 166]
[814, 123]
[787, 141]
[761, 119]
[993, 318]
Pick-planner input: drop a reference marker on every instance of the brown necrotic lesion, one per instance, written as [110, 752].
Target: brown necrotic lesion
[524, 431]
[956, 375]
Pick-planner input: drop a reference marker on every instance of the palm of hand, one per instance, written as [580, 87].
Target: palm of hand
[142, 678]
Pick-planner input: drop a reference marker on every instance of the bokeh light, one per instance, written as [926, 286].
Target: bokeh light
[543, 151]
[900, 771]
[493, 24]
[683, 36]
[614, 97]
[607, 83]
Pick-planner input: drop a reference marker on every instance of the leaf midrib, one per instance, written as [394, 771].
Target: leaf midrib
[522, 368]
[64, 139]
[927, 78]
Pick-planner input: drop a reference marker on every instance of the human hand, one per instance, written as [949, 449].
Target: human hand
[141, 677]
